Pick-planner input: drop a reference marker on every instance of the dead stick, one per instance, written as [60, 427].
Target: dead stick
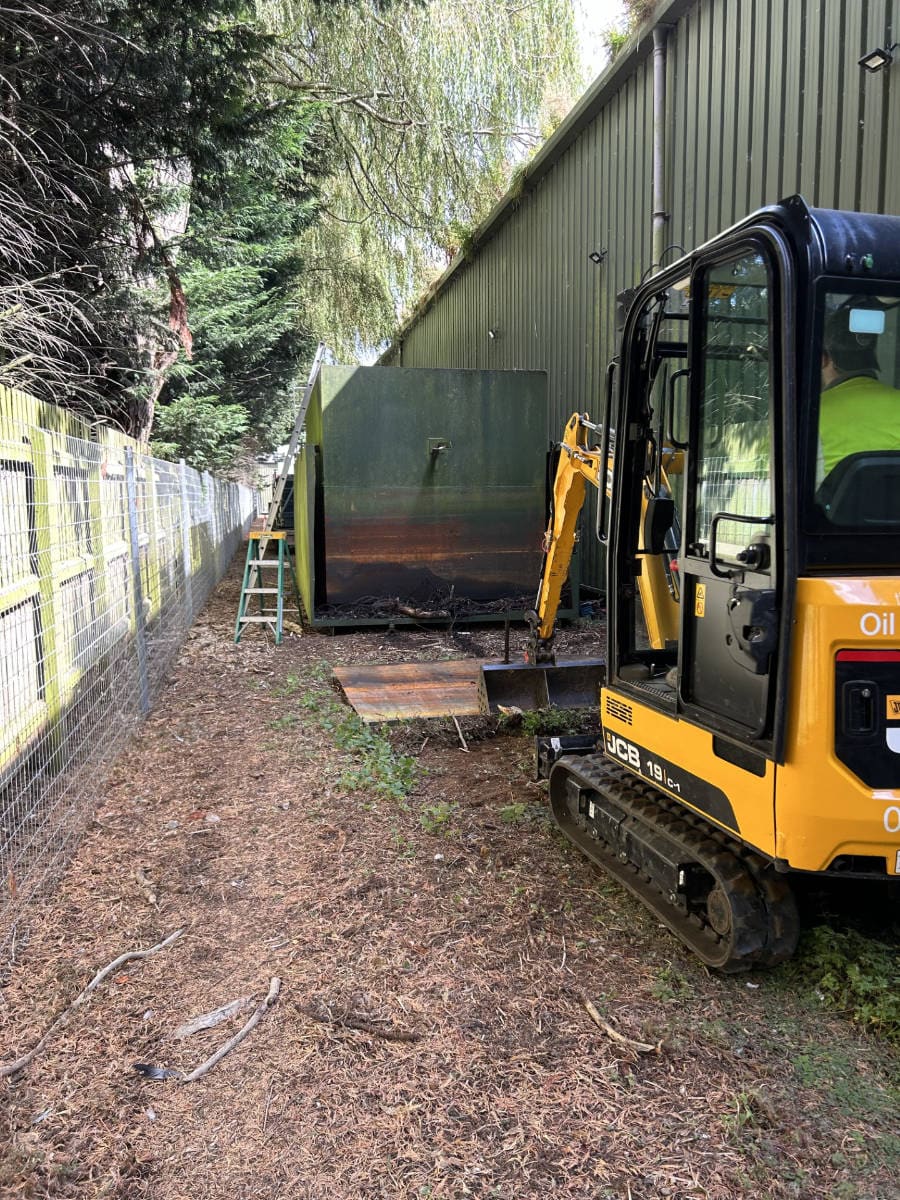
[350, 1021]
[21, 1063]
[641, 1047]
[262, 1009]
[461, 738]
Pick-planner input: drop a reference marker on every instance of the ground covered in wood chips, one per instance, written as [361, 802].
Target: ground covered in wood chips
[436, 941]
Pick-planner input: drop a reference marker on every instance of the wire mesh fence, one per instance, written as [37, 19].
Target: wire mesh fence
[106, 555]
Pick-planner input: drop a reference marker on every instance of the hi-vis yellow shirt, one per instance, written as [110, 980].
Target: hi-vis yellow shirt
[860, 413]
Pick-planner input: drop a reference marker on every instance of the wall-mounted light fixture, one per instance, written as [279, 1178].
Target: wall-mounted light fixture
[879, 58]
[492, 334]
[597, 257]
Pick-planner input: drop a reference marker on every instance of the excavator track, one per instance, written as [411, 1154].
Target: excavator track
[723, 901]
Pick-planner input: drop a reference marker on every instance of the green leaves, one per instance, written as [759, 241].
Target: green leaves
[241, 265]
[297, 172]
[123, 115]
[202, 429]
[426, 109]
[855, 974]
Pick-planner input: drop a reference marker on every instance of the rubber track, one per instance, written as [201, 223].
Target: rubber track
[764, 924]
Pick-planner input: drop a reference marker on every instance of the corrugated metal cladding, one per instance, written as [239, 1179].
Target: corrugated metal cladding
[764, 98]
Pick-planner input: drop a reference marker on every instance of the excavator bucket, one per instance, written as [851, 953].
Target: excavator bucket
[574, 683]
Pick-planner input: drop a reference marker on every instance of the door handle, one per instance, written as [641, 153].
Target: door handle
[730, 572]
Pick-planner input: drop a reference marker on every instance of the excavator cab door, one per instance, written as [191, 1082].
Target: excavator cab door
[728, 433]
[729, 564]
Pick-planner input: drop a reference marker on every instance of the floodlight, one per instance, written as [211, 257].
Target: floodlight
[879, 58]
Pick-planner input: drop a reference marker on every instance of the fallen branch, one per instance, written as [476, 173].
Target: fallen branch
[462, 740]
[422, 614]
[350, 1020]
[261, 1010]
[641, 1047]
[151, 1072]
[21, 1063]
[211, 1019]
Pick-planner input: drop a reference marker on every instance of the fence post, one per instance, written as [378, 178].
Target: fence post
[139, 621]
[186, 545]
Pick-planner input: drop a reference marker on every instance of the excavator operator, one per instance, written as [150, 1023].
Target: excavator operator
[858, 412]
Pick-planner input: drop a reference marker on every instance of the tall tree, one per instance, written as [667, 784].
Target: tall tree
[240, 263]
[427, 109]
[154, 157]
[113, 108]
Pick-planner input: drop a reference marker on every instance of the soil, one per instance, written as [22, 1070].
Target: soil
[435, 952]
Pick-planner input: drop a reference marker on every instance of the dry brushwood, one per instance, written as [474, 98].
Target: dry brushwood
[350, 1020]
[26, 1060]
[641, 1047]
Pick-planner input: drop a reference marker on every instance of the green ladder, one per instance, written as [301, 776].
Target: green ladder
[253, 568]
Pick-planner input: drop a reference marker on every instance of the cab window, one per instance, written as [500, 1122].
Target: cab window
[733, 445]
[857, 469]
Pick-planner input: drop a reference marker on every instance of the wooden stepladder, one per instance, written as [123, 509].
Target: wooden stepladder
[258, 559]
[256, 583]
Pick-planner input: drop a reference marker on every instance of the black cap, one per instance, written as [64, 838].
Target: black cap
[849, 351]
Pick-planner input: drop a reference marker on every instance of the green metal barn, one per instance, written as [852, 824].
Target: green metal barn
[714, 108]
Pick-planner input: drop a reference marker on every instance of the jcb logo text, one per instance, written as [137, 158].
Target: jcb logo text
[624, 751]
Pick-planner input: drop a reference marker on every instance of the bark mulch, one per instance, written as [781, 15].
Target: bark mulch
[435, 950]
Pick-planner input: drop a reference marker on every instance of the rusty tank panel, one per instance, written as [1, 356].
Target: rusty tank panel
[421, 484]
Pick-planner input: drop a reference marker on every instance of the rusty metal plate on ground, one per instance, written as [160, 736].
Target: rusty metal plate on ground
[399, 691]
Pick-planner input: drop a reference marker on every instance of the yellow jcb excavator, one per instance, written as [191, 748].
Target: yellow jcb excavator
[751, 707]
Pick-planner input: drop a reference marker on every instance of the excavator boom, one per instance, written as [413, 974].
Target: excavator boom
[579, 466]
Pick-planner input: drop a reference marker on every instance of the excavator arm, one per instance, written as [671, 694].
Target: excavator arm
[579, 465]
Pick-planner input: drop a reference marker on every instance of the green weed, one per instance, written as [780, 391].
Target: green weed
[552, 721]
[289, 686]
[853, 974]
[520, 812]
[374, 766]
[671, 985]
[744, 1113]
[436, 817]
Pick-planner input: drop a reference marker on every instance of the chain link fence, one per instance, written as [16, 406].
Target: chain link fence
[106, 555]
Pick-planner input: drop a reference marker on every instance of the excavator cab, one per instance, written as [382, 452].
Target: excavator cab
[749, 497]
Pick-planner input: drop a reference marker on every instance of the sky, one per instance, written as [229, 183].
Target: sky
[591, 17]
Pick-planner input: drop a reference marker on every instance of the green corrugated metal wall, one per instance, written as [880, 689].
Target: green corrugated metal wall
[763, 98]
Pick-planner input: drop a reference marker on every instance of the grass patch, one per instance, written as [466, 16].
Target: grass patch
[852, 974]
[375, 767]
[835, 1070]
